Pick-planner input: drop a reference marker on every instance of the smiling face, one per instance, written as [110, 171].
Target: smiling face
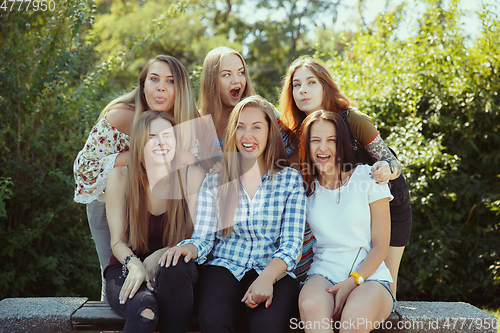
[252, 133]
[159, 87]
[307, 91]
[160, 148]
[323, 147]
[232, 80]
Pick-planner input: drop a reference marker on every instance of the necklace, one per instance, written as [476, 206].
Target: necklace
[337, 184]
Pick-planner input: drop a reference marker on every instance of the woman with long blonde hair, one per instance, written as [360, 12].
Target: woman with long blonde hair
[163, 85]
[249, 227]
[225, 81]
[144, 226]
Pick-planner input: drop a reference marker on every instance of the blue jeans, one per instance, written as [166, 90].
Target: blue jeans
[98, 223]
[172, 303]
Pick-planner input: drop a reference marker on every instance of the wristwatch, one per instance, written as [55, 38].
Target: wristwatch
[359, 278]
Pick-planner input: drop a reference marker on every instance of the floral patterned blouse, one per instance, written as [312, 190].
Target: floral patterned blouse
[96, 160]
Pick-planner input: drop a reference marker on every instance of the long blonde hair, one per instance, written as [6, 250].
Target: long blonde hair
[210, 101]
[275, 158]
[177, 221]
[184, 104]
[333, 100]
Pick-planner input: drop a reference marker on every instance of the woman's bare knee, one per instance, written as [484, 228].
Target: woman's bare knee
[148, 313]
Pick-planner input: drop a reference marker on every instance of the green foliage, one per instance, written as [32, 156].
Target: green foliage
[5, 193]
[46, 246]
[152, 28]
[276, 40]
[51, 95]
[268, 45]
[436, 101]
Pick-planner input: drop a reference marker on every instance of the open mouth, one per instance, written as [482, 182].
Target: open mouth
[249, 147]
[161, 151]
[235, 93]
[159, 100]
[322, 158]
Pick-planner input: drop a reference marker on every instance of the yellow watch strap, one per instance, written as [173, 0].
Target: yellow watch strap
[356, 276]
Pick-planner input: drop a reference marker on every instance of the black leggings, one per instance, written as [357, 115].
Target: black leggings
[172, 302]
[401, 218]
[221, 294]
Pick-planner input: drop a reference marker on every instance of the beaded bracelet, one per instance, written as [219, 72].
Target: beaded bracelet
[125, 262]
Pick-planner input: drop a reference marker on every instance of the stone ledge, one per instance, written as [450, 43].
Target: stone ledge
[444, 317]
[70, 314]
[38, 314]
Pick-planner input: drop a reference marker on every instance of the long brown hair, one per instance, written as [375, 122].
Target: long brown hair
[210, 101]
[342, 145]
[333, 100]
[177, 221]
[275, 158]
[184, 104]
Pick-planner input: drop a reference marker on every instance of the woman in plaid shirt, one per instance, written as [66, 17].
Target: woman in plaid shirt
[249, 227]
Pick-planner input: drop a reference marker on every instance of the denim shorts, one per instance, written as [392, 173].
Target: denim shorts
[385, 283]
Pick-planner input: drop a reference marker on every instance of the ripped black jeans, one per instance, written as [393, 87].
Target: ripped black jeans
[172, 302]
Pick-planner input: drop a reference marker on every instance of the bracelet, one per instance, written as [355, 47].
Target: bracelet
[125, 262]
[391, 165]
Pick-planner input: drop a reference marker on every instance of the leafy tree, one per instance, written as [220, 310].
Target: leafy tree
[46, 247]
[437, 103]
[277, 40]
[269, 44]
[188, 36]
[50, 96]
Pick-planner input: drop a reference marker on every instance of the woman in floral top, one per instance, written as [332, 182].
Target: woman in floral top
[163, 86]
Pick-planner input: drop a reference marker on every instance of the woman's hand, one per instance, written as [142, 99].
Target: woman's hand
[216, 168]
[152, 263]
[341, 291]
[381, 172]
[189, 251]
[259, 291]
[137, 274]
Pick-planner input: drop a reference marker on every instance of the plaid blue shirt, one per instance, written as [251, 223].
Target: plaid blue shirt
[271, 225]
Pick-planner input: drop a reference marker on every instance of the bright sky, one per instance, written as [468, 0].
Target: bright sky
[374, 7]
[348, 14]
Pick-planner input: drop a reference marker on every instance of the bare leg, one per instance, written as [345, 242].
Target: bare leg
[392, 261]
[367, 305]
[316, 304]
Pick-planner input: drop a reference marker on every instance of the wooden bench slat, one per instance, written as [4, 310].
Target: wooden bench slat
[95, 316]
